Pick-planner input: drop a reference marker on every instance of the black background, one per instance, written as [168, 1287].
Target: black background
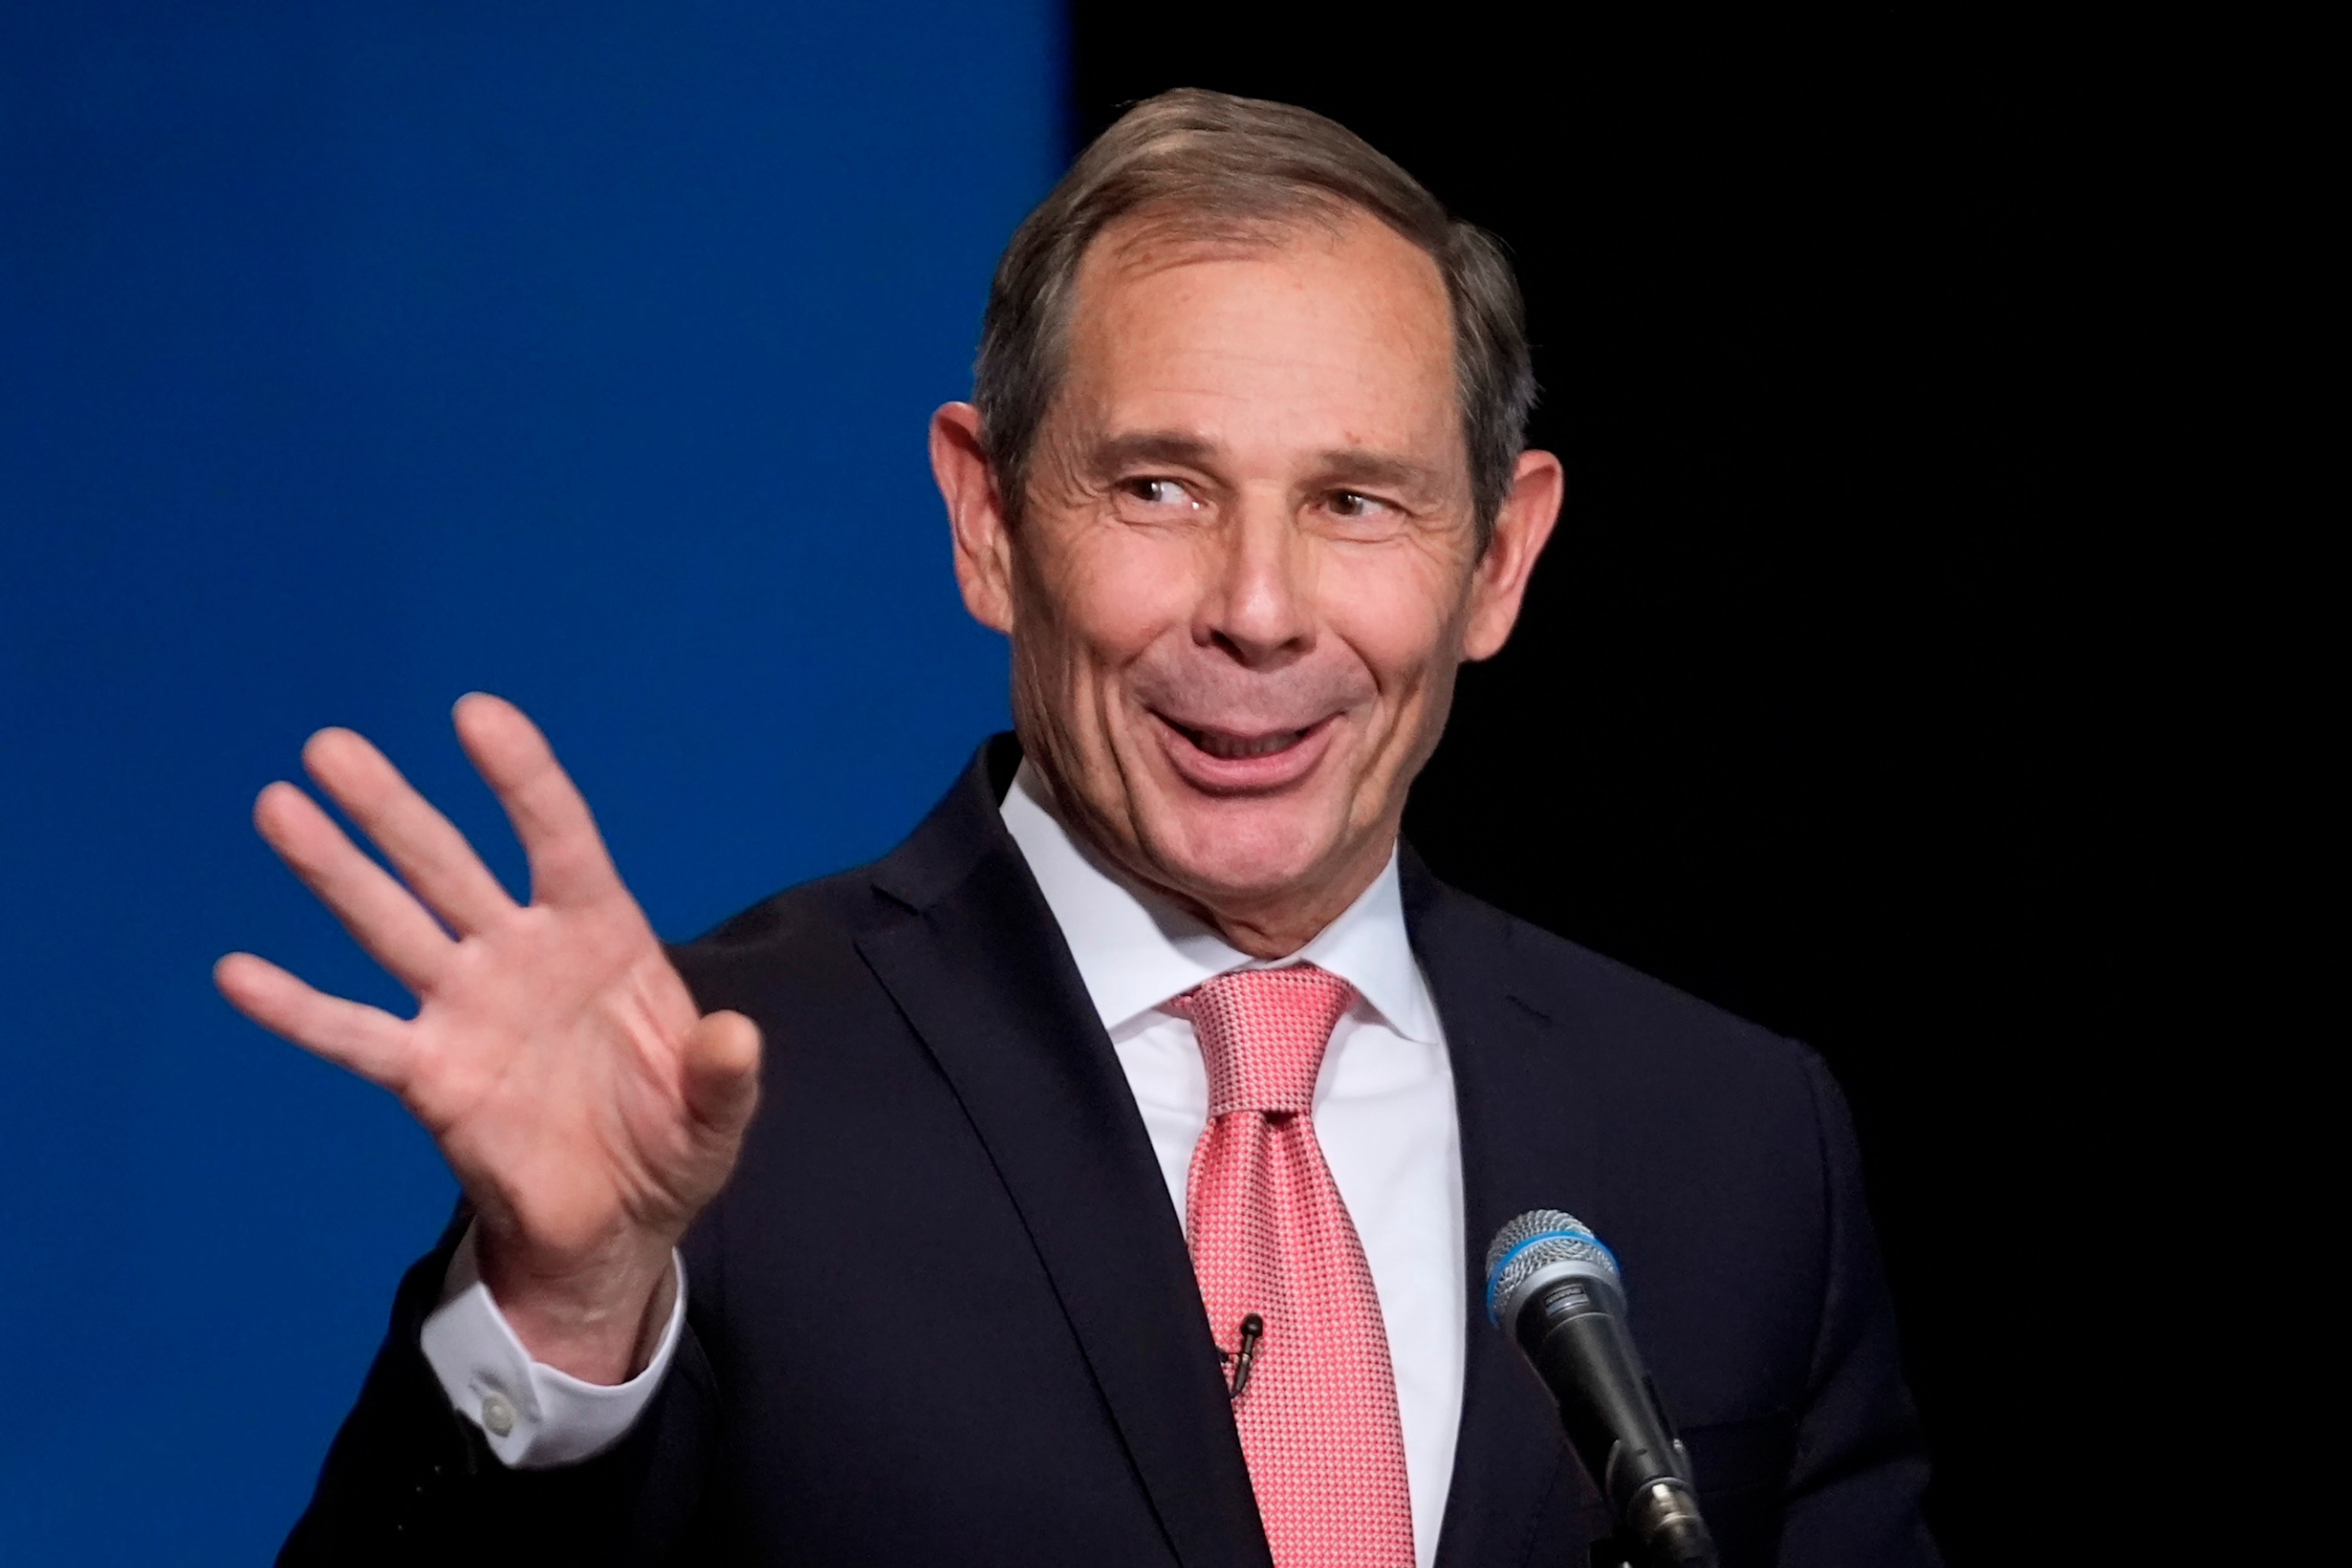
[1853, 692]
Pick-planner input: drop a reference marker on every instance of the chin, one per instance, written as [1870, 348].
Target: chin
[1245, 851]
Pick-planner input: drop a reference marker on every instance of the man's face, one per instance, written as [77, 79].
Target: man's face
[1248, 565]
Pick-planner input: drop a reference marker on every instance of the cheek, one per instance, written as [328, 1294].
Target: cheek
[1398, 609]
[1114, 591]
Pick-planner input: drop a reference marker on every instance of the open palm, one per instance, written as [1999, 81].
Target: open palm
[587, 1108]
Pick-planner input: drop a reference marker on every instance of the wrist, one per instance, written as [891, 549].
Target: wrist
[599, 1320]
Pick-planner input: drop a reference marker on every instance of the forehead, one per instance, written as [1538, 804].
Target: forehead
[1330, 331]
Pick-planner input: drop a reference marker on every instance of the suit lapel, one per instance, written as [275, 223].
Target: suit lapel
[1530, 1138]
[977, 967]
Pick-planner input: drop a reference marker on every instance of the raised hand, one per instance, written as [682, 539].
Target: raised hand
[586, 1107]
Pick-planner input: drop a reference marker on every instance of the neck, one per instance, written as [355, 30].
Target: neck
[1280, 924]
[1276, 933]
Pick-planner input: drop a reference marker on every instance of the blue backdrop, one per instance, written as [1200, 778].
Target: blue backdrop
[351, 358]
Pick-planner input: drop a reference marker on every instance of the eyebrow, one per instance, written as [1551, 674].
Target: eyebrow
[1339, 466]
[1154, 447]
[1376, 468]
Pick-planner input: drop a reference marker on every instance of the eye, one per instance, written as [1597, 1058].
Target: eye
[1155, 491]
[1356, 504]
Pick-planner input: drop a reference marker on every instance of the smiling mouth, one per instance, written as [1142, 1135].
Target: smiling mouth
[1225, 746]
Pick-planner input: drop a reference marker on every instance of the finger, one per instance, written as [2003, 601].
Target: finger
[382, 916]
[370, 1041]
[569, 864]
[723, 1072]
[422, 846]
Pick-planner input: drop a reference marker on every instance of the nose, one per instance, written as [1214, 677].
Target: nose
[1259, 608]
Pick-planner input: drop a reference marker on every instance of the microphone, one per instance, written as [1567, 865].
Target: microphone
[1556, 1291]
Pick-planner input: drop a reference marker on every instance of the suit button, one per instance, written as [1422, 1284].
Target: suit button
[498, 1414]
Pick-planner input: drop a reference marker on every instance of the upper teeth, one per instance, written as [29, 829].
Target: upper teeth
[1236, 746]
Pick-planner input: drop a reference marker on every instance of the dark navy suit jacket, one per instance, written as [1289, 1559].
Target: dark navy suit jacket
[943, 1312]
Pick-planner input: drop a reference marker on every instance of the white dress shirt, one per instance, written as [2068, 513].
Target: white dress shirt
[1384, 1114]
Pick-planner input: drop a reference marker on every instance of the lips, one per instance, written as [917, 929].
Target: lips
[1229, 762]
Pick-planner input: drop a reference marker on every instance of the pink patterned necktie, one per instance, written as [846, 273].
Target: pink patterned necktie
[1314, 1395]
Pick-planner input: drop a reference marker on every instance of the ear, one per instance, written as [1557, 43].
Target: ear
[983, 547]
[1522, 528]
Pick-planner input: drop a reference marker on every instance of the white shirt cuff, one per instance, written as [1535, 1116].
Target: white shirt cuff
[534, 1416]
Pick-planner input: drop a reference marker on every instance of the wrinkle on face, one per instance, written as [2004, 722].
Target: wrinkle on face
[1248, 514]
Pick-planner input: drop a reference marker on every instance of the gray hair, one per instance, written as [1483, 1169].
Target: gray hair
[1208, 160]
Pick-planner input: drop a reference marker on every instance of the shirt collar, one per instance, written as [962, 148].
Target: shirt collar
[1135, 950]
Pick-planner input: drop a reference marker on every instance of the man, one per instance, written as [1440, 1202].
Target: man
[1099, 1177]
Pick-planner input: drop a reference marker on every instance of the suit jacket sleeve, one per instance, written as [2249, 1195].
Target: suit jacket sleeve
[1859, 1466]
[408, 1480]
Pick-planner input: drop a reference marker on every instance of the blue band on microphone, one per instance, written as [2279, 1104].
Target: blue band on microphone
[1503, 1264]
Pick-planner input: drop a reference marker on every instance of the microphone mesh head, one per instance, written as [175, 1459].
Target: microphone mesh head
[1536, 1240]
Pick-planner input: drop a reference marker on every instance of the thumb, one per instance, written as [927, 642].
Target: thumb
[723, 1072]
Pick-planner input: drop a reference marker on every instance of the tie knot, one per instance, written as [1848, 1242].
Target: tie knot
[1263, 1033]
